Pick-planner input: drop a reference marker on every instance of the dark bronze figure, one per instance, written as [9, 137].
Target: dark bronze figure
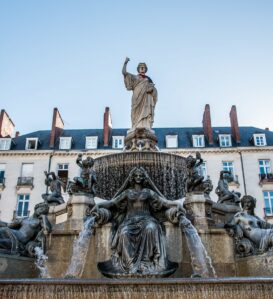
[194, 182]
[55, 185]
[22, 235]
[138, 243]
[224, 195]
[252, 234]
[87, 180]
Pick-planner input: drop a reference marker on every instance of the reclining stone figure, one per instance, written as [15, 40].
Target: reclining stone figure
[21, 236]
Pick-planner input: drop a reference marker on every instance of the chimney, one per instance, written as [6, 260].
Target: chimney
[107, 126]
[207, 125]
[6, 125]
[234, 125]
[57, 127]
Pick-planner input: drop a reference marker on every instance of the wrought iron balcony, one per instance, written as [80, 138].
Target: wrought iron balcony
[265, 178]
[25, 182]
[2, 183]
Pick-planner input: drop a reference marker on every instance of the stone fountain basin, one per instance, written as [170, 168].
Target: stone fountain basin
[166, 171]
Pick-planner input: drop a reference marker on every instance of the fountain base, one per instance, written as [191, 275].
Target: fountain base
[109, 270]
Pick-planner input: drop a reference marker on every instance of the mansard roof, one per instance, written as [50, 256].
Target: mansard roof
[184, 137]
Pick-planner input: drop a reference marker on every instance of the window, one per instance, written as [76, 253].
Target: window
[31, 143]
[171, 141]
[268, 202]
[264, 166]
[26, 178]
[198, 140]
[118, 142]
[259, 139]
[22, 205]
[5, 144]
[65, 143]
[225, 140]
[228, 166]
[202, 170]
[62, 172]
[27, 170]
[91, 142]
[2, 174]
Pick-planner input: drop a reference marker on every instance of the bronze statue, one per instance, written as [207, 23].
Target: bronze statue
[144, 96]
[193, 180]
[252, 234]
[224, 195]
[55, 186]
[138, 243]
[22, 235]
[87, 180]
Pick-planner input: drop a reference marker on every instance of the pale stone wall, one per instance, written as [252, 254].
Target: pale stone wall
[213, 157]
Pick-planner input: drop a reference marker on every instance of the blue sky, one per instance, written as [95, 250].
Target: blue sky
[69, 54]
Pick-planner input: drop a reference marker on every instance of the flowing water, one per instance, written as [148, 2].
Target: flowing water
[40, 263]
[200, 260]
[80, 250]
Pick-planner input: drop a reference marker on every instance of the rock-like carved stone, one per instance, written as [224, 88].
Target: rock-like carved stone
[252, 234]
[87, 181]
[55, 186]
[224, 195]
[138, 243]
[194, 182]
[22, 235]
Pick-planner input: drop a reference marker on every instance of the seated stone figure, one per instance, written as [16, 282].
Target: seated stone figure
[55, 186]
[138, 241]
[252, 234]
[22, 235]
[224, 195]
[193, 180]
[87, 180]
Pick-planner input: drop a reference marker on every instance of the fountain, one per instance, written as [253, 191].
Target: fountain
[144, 220]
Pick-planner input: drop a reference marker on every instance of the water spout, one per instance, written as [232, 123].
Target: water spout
[80, 250]
[40, 263]
[200, 260]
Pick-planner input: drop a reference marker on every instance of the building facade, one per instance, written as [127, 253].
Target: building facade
[246, 151]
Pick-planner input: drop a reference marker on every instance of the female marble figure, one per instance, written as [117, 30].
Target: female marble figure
[138, 242]
[144, 96]
[247, 225]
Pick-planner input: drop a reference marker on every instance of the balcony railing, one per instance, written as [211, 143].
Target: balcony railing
[25, 182]
[265, 178]
[2, 183]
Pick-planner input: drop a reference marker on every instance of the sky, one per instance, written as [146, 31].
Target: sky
[69, 54]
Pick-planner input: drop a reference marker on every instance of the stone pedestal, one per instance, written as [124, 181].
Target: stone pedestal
[141, 139]
[199, 209]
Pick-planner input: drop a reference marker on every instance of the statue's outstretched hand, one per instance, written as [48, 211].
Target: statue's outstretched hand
[127, 59]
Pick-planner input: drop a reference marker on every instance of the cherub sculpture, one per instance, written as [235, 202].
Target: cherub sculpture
[55, 186]
[87, 180]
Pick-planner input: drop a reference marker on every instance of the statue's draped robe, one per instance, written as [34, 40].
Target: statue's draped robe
[143, 103]
[138, 244]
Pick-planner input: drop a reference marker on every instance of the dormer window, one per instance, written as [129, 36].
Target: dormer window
[118, 142]
[198, 140]
[171, 141]
[65, 143]
[31, 143]
[91, 142]
[225, 140]
[5, 144]
[259, 139]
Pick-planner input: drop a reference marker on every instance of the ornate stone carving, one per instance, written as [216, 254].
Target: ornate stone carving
[138, 244]
[55, 186]
[23, 235]
[141, 139]
[194, 182]
[252, 235]
[224, 195]
[87, 181]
